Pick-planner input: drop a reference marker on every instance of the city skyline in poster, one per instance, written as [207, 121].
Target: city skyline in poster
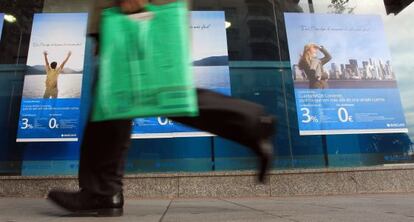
[50, 107]
[343, 76]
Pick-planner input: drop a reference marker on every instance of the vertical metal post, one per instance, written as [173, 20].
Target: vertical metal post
[282, 73]
[325, 150]
[213, 154]
[19, 47]
[324, 137]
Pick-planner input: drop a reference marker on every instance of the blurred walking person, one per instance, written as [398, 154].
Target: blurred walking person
[105, 144]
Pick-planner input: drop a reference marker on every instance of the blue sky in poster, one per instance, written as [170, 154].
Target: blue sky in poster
[345, 36]
[58, 33]
[208, 30]
[1, 23]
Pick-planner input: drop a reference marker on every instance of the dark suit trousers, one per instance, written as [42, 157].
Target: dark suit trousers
[105, 144]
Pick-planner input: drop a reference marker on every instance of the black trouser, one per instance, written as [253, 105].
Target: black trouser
[105, 144]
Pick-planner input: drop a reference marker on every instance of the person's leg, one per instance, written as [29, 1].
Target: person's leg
[101, 169]
[241, 121]
[46, 95]
[103, 150]
[54, 93]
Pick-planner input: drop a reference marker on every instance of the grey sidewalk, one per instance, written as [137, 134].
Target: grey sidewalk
[360, 208]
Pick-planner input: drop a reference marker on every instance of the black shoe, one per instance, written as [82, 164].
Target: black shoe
[264, 147]
[84, 202]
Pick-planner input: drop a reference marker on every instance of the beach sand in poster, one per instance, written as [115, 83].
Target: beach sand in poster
[69, 86]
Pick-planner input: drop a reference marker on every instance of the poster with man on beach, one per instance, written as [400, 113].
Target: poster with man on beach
[50, 107]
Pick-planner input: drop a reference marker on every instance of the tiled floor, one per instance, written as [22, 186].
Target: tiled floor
[360, 208]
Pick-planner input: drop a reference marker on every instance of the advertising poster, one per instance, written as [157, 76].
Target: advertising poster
[1, 23]
[211, 70]
[343, 75]
[50, 107]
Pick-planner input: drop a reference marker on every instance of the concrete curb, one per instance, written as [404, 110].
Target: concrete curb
[300, 182]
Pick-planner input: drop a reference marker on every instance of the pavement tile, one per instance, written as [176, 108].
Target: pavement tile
[360, 208]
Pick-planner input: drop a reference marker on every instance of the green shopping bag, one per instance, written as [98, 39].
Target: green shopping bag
[145, 67]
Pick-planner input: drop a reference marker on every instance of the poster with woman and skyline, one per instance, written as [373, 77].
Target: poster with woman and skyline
[343, 75]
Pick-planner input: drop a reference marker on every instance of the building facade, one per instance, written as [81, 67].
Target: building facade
[260, 70]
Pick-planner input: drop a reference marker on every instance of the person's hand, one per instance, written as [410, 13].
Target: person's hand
[69, 53]
[130, 6]
[45, 53]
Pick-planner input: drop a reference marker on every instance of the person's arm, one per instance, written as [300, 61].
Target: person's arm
[46, 61]
[131, 6]
[65, 61]
[327, 57]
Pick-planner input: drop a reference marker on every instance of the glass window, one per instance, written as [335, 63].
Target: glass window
[260, 71]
